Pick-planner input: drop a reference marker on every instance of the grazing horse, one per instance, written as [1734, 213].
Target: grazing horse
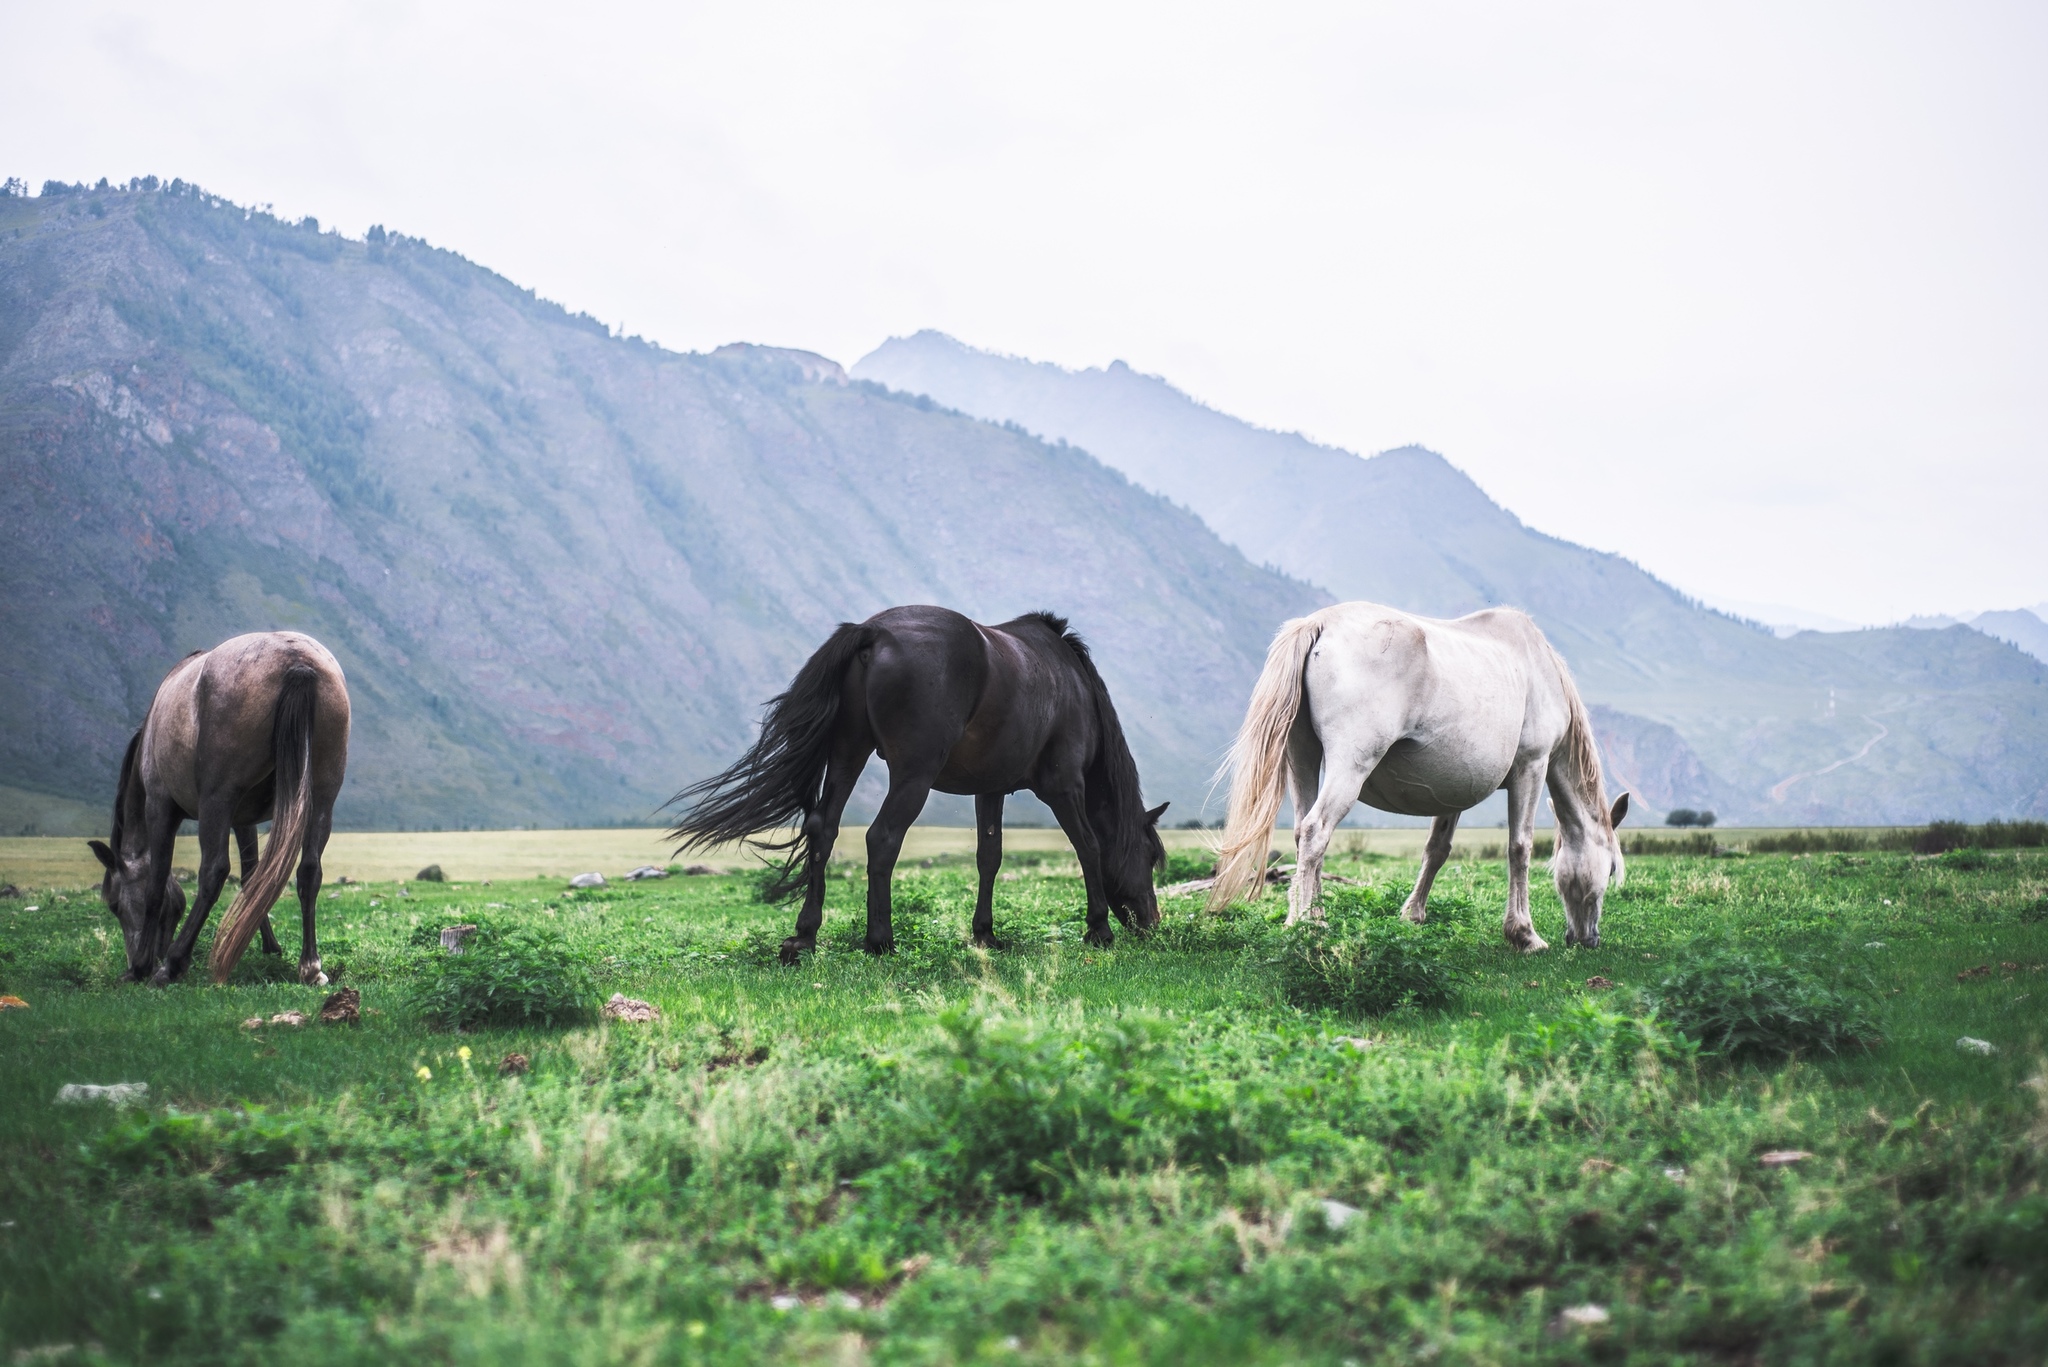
[951, 705]
[1427, 718]
[255, 729]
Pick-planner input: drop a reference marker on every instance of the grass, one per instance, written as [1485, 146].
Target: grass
[1052, 1153]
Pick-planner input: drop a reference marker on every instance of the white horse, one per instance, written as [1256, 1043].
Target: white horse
[1427, 718]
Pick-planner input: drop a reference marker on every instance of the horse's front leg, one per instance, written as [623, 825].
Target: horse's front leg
[215, 818]
[1525, 786]
[1070, 809]
[1416, 908]
[988, 858]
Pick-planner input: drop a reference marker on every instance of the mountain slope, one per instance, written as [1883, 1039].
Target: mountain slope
[1762, 722]
[561, 569]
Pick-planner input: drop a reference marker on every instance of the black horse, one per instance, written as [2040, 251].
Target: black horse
[952, 705]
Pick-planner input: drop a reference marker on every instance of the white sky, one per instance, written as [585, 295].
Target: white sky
[1755, 294]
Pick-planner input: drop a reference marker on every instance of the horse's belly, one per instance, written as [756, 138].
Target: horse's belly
[1419, 780]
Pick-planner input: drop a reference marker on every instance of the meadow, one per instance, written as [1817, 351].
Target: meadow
[1049, 1153]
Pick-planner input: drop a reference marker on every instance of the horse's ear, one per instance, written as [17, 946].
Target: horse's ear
[100, 848]
[1620, 810]
[1152, 817]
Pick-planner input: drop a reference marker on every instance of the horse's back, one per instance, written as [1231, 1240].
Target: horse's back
[211, 721]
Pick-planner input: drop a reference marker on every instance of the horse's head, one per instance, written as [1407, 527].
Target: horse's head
[124, 887]
[1588, 861]
[1128, 864]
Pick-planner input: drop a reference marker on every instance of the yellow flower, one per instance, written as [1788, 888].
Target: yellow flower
[425, 1073]
[695, 1329]
[463, 1053]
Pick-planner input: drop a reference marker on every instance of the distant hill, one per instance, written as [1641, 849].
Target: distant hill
[562, 569]
[2021, 627]
[1698, 708]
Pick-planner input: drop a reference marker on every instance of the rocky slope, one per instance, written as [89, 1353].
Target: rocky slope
[562, 569]
[1699, 709]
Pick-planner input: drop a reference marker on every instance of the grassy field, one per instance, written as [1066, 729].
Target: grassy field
[1049, 1153]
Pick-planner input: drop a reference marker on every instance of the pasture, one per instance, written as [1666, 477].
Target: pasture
[1050, 1153]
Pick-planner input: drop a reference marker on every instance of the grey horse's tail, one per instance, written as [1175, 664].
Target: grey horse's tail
[291, 742]
[1257, 762]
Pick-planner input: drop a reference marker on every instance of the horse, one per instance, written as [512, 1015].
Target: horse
[1427, 718]
[953, 705]
[254, 729]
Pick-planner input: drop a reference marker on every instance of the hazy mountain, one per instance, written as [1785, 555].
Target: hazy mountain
[2022, 627]
[1715, 710]
[562, 569]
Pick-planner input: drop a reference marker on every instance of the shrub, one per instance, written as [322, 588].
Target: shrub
[518, 977]
[1183, 866]
[1943, 836]
[1742, 1003]
[1378, 965]
[1686, 816]
[1590, 1038]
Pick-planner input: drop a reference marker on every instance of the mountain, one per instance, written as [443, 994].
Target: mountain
[561, 569]
[1868, 726]
[2021, 627]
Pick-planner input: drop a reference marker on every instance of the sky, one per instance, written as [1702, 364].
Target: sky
[1753, 294]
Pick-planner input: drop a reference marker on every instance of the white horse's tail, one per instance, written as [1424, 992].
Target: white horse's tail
[1257, 762]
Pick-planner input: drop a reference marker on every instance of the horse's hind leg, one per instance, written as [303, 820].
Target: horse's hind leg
[245, 840]
[988, 858]
[1525, 787]
[319, 825]
[1344, 777]
[821, 833]
[1416, 908]
[908, 789]
[215, 820]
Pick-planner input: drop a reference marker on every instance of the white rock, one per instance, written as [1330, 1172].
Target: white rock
[1971, 1045]
[587, 880]
[646, 871]
[849, 1301]
[113, 1094]
[1583, 1315]
[784, 1302]
[1337, 1215]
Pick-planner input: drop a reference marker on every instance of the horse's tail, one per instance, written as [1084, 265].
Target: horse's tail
[1257, 763]
[291, 744]
[779, 778]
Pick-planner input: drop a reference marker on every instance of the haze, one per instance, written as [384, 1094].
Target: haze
[1753, 295]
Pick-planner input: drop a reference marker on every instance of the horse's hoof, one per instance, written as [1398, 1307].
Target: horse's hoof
[1102, 937]
[792, 951]
[990, 942]
[310, 974]
[1535, 944]
[162, 976]
[879, 947]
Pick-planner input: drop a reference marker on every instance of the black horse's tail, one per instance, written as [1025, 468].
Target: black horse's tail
[291, 744]
[779, 780]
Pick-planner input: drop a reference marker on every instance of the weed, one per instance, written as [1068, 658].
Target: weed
[1368, 968]
[1761, 1003]
[524, 976]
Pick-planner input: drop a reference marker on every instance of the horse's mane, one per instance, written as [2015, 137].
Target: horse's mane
[128, 792]
[1126, 806]
[1578, 739]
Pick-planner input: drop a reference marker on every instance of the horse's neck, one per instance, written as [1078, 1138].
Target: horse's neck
[1579, 816]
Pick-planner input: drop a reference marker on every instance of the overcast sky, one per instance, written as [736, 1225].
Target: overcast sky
[1755, 294]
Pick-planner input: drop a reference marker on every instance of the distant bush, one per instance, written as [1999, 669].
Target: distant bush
[517, 977]
[1368, 969]
[1184, 865]
[1700, 844]
[1942, 836]
[1738, 1002]
[1686, 816]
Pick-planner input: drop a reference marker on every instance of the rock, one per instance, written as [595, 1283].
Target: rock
[646, 871]
[1783, 1158]
[113, 1094]
[513, 1065]
[624, 1008]
[185, 875]
[455, 938]
[1356, 1042]
[1336, 1214]
[253, 1023]
[430, 874]
[784, 1303]
[698, 871]
[1582, 1316]
[344, 881]
[1597, 983]
[587, 880]
[12, 1003]
[1970, 1045]
[343, 1008]
[10, 891]
[290, 1018]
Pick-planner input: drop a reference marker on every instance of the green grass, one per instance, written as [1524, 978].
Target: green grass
[1052, 1153]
